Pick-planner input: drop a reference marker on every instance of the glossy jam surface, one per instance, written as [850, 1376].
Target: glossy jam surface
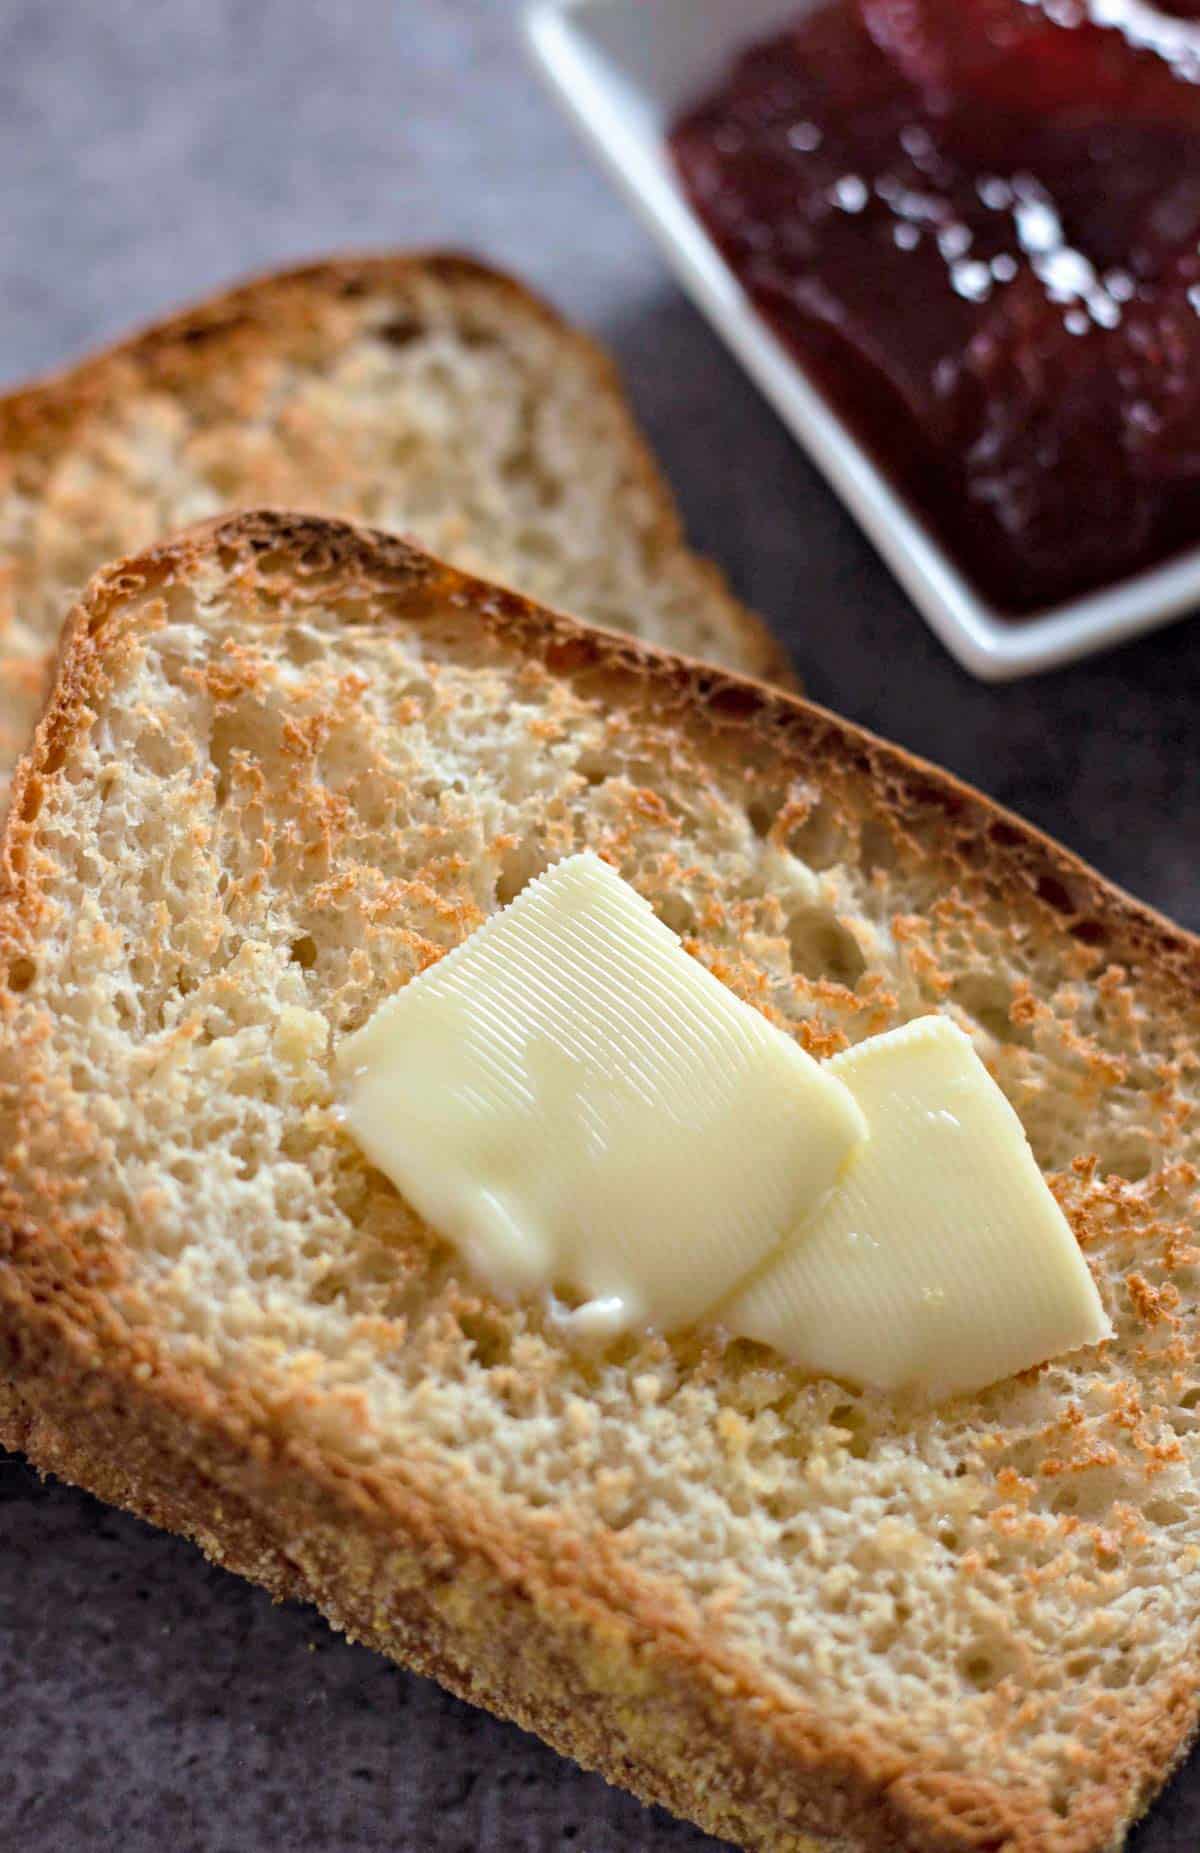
[977, 224]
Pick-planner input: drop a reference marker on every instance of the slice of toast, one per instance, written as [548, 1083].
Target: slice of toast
[286, 764]
[424, 393]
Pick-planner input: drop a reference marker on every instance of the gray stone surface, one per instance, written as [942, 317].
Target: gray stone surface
[150, 152]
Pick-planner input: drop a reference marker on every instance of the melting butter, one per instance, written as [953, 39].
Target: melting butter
[576, 1102]
[941, 1261]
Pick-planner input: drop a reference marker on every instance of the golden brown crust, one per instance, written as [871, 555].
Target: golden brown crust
[613, 1667]
[439, 1611]
[256, 316]
[617, 1685]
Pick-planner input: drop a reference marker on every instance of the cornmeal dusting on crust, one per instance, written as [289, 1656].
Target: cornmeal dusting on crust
[287, 765]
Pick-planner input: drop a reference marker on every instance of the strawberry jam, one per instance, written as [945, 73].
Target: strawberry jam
[977, 225]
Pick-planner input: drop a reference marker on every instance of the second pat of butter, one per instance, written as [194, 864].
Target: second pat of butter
[941, 1262]
[574, 1101]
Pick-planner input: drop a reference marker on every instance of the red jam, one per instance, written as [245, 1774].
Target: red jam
[977, 225]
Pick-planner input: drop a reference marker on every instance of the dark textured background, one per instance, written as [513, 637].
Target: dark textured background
[150, 150]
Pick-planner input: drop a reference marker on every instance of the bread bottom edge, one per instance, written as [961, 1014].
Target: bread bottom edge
[485, 1644]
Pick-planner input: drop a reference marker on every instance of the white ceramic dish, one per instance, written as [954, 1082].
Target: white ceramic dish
[623, 69]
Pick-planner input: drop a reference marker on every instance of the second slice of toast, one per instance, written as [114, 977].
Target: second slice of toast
[422, 391]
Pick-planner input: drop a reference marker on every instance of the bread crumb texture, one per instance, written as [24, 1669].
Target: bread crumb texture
[288, 765]
[426, 394]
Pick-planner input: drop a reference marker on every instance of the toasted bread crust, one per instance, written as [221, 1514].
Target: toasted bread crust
[259, 316]
[527, 1653]
[610, 1667]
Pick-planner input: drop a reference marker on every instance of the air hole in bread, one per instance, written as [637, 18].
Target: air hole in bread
[762, 813]
[819, 838]
[1166, 1512]
[919, 789]
[304, 951]
[981, 1671]
[316, 558]
[327, 1291]
[567, 655]
[987, 1000]
[823, 948]
[1055, 893]
[303, 645]
[486, 1337]
[21, 974]
[222, 752]
[31, 798]
[272, 562]
[972, 847]
[853, 1424]
[199, 333]
[1090, 1497]
[1089, 932]
[1132, 1160]
[734, 700]
[399, 331]
[876, 845]
[517, 869]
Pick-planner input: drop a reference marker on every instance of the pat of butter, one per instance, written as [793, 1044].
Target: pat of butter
[941, 1261]
[574, 1101]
